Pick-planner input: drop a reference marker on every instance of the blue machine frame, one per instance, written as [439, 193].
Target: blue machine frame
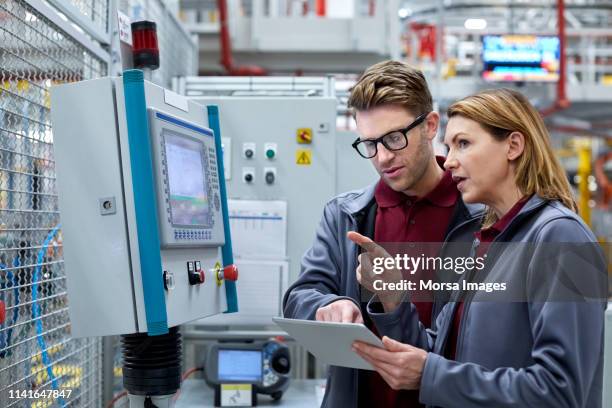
[143, 181]
[227, 254]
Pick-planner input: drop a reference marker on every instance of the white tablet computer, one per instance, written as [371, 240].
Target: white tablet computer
[331, 342]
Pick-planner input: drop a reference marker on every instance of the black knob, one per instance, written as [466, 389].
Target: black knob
[168, 283]
[248, 177]
[248, 153]
[281, 364]
[270, 177]
[196, 278]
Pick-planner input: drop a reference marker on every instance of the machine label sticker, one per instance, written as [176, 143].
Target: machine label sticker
[236, 395]
[303, 157]
[125, 28]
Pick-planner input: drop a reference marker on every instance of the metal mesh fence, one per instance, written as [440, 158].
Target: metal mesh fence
[95, 10]
[38, 357]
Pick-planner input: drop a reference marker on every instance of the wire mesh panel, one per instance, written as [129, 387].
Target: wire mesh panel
[96, 11]
[40, 365]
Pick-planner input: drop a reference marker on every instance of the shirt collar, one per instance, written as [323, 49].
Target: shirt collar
[443, 195]
[387, 197]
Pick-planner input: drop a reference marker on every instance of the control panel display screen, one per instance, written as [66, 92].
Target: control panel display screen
[187, 181]
[240, 365]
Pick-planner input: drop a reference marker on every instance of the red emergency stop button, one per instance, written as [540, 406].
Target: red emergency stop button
[230, 273]
[2, 312]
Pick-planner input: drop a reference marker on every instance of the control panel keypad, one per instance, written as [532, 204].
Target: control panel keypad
[191, 235]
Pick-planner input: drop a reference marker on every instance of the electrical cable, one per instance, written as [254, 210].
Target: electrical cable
[36, 312]
[186, 375]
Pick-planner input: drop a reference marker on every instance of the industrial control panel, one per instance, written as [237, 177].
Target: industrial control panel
[142, 206]
[189, 195]
[284, 160]
[278, 149]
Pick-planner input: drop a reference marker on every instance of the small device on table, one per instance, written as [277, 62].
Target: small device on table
[240, 371]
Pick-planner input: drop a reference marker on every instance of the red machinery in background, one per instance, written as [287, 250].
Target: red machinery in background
[226, 48]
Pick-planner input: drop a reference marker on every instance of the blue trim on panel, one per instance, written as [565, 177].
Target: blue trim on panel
[226, 250]
[145, 202]
[184, 124]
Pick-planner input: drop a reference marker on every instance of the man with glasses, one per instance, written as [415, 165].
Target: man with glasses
[415, 201]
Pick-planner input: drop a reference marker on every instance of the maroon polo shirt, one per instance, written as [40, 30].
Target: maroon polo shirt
[485, 236]
[401, 218]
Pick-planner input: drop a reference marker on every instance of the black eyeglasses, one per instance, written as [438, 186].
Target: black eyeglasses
[395, 140]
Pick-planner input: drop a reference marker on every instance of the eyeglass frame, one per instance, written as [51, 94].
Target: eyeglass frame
[378, 140]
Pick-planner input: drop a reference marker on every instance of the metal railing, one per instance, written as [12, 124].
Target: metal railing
[254, 86]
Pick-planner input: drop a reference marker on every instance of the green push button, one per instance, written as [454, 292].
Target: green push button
[270, 153]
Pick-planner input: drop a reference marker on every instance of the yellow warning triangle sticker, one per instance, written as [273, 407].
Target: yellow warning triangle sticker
[303, 157]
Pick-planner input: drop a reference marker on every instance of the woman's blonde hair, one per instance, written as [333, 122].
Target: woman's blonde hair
[538, 171]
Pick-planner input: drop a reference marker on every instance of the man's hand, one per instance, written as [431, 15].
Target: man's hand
[340, 311]
[400, 365]
[366, 276]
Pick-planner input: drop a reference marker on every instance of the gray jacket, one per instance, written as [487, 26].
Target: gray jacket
[328, 272]
[517, 354]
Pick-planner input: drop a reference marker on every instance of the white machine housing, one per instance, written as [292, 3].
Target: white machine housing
[263, 123]
[94, 164]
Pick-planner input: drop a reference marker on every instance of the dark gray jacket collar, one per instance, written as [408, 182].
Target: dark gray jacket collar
[534, 204]
[357, 200]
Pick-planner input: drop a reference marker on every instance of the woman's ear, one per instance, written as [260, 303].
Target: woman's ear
[516, 145]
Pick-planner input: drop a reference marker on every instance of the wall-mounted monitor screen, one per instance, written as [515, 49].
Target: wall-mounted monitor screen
[517, 58]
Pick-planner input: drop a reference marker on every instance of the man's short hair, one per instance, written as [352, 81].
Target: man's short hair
[391, 83]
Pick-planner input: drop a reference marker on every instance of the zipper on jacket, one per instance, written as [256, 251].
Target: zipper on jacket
[437, 308]
[472, 252]
[455, 228]
[467, 304]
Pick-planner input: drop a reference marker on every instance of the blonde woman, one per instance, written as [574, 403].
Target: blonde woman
[539, 343]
